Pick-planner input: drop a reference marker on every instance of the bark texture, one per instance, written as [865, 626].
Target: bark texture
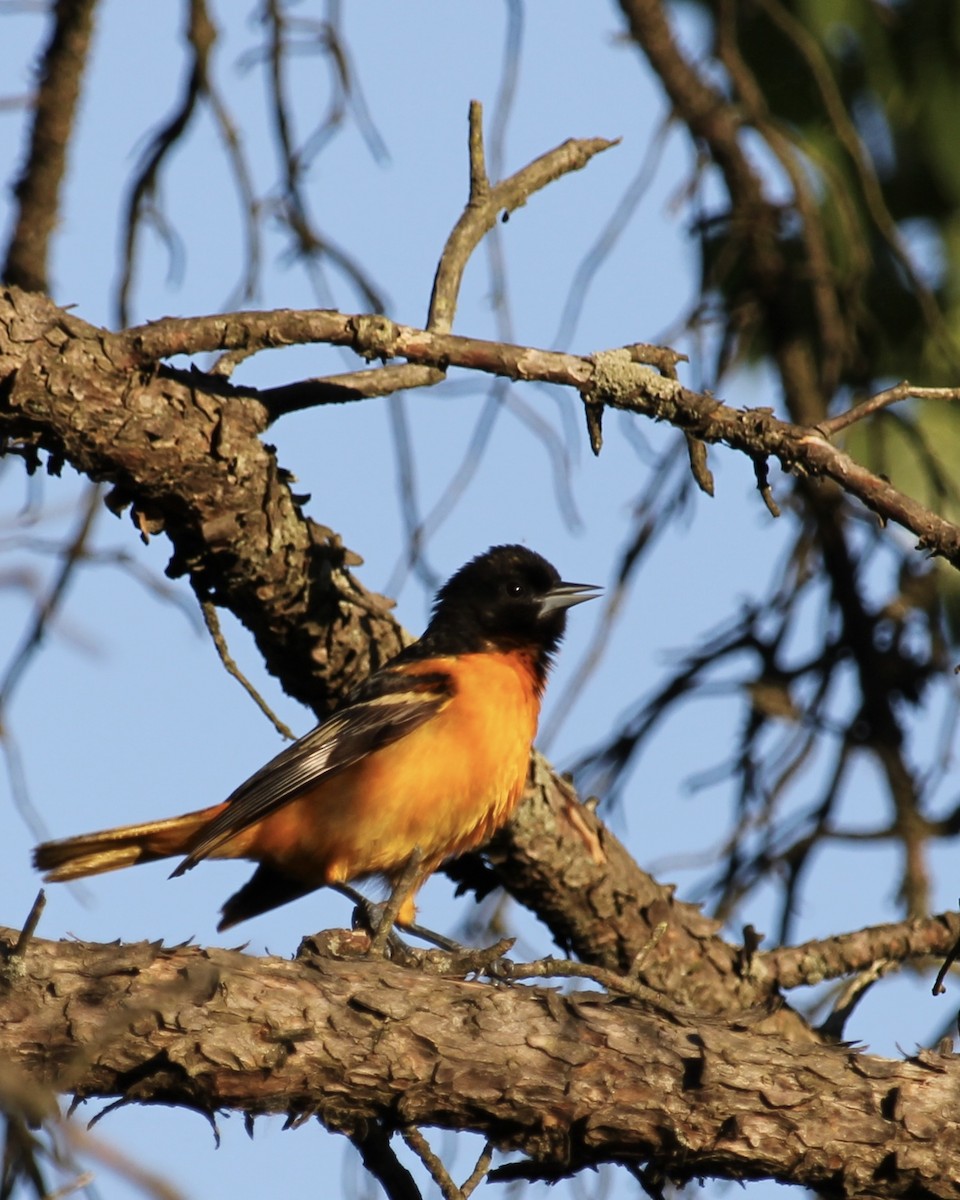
[185, 453]
[570, 1079]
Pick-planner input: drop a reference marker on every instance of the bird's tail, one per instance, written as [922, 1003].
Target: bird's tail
[111, 849]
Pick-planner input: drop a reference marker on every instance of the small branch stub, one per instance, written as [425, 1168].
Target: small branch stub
[699, 468]
[11, 966]
[763, 485]
[593, 411]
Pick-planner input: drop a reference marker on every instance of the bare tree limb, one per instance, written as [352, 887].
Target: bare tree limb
[830, 958]
[40, 184]
[200, 35]
[571, 1080]
[611, 378]
[190, 462]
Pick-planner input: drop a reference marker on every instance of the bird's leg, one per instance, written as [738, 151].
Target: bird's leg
[401, 895]
[380, 918]
[363, 905]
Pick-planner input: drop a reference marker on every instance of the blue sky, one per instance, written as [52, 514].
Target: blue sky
[127, 713]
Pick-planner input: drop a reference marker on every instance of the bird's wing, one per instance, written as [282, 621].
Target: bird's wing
[392, 704]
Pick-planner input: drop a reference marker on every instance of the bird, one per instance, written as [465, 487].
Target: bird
[423, 761]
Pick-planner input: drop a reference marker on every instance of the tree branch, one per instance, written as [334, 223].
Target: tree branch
[613, 378]
[571, 1080]
[38, 189]
[487, 203]
[185, 454]
[829, 958]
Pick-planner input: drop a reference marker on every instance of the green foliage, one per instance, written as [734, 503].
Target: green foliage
[865, 98]
[917, 447]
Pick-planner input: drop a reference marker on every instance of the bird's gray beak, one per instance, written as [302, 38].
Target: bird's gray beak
[565, 595]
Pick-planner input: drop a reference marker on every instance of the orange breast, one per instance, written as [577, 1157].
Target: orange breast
[444, 788]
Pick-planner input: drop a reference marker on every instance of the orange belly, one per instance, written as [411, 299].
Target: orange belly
[444, 788]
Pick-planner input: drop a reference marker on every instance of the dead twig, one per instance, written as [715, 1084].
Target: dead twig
[212, 622]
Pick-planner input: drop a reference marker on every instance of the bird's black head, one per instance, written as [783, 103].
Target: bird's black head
[507, 598]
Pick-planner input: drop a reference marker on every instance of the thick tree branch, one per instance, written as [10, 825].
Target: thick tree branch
[557, 857]
[186, 454]
[569, 1079]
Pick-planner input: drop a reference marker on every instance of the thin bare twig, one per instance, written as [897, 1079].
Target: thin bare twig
[951, 957]
[479, 1172]
[82, 1142]
[200, 35]
[246, 286]
[851, 995]
[438, 1172]
[212, 622]
[72, 554]
[12, 964]
[608, 237]
[565, 968]
[654, 512]
[881, 400]
[762, 474]
[18, 784]
[485, 206]
[311, 245]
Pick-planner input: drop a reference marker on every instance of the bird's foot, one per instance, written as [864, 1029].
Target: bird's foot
[373, 918]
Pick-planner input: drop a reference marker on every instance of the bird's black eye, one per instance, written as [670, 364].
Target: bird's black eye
[515, 589]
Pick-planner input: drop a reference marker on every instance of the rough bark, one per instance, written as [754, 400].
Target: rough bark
[743, 1089]
[186, 455]
[570, 1079]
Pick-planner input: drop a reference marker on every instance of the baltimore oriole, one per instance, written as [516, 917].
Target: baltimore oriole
[425, 759]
